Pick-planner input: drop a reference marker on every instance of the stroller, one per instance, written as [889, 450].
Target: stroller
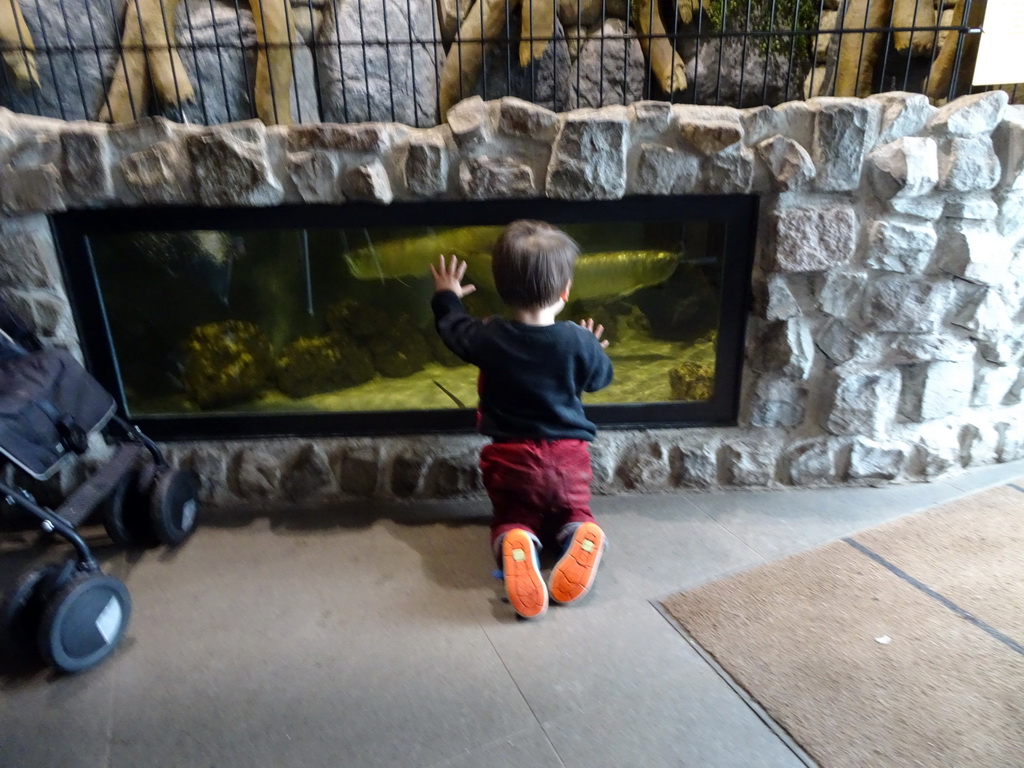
[71, 611]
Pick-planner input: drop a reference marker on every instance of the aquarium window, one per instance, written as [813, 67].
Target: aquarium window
[316, 319]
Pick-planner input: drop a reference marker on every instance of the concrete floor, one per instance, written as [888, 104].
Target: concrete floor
[357, 636]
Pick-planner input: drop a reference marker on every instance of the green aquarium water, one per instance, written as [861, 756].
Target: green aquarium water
[339, 320]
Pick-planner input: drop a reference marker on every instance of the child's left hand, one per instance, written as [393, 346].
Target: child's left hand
[448, 277]
[597, 330]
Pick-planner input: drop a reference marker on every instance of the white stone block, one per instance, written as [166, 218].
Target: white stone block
[898, 246]
[813, 239]
[906, 167]
[968, 165]
[811, 462]
[936, 390]
[905, 304]
[864, 402]
[871, 460]
[971, 115]
[992, 384]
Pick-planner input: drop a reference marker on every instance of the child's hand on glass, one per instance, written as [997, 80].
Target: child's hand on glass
[597, 331]
[448, 277]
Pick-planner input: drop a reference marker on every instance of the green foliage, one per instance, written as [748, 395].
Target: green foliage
[226, 363]
[315, 364]
[734, 15]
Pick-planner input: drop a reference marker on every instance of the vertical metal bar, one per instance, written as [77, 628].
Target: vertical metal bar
[792, 50]
[8, 85]
[412, 61]
[289, 23]
[863, 42]
[600, 76]
[170, 36]
[935, 50]
[119, 46]
[387, 55]
[220, 61]
[96, 49]
[629, 38]
[696, 54]
[508, 49]
[24, 56]
[650, 45]
[144, 51]
[249, 84]
[675, 43]
[458, 40]
[888, 44]
[814, 53]
[315, 52]
[49, 57]
[579, 46]
[74, 59]
[961, 44]
[743, 56]
[366, 69]
[528, 8]
[309, 275]
[341, 61]
[767, 58]
[910, 53]
[434, 28]
[270, 69]
[721, 54]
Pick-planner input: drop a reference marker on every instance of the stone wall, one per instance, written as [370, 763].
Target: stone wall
[887, 332]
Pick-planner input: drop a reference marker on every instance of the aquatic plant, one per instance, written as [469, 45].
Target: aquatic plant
[397, 353]
[315, 364]
[357, 319]
[226, 362]
[691, 380]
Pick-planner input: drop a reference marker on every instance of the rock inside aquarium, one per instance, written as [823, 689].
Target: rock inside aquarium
[316, 364]
[227, 362]
[397, 353]
[358, 319]
[692, 381]
[439, 351]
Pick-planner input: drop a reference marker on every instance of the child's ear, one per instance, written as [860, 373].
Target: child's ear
[565, 293]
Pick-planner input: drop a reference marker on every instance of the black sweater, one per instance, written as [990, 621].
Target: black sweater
[531, 377]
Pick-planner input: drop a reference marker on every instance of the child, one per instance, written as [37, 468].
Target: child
[532, 371]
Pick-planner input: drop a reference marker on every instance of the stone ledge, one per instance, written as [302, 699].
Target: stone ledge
[885, 351]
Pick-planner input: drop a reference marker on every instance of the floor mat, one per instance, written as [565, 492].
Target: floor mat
[898, 646]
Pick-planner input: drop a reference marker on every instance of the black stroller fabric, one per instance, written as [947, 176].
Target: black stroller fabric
[46, 398]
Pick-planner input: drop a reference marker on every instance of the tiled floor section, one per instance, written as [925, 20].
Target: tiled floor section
[361, 637]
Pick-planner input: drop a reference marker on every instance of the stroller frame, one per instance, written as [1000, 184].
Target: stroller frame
[73, 613]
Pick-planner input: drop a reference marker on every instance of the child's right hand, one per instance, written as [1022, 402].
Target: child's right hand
[448, 277]
[597, 331]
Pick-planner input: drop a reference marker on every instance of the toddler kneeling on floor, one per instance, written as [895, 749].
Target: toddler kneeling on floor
[533, 371]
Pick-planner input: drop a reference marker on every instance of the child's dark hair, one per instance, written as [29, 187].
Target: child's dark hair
[532, 263]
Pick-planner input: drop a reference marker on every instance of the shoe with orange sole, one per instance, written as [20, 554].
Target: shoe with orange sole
[523, 583]
[574, 573]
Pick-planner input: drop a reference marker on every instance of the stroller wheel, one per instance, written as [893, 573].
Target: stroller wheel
[124, 511]
[173, 505]
[22, 611]
[84, 621]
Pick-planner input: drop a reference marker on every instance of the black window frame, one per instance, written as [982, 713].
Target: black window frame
[738, 214]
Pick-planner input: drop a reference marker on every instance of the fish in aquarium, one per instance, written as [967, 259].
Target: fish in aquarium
[598, 275]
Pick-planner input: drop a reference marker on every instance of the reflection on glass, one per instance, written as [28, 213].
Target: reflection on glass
[339, 320]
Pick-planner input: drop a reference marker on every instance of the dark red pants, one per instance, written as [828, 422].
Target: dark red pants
[538, 485]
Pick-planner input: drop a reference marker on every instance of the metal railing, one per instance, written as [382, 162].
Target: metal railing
[212, 61]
